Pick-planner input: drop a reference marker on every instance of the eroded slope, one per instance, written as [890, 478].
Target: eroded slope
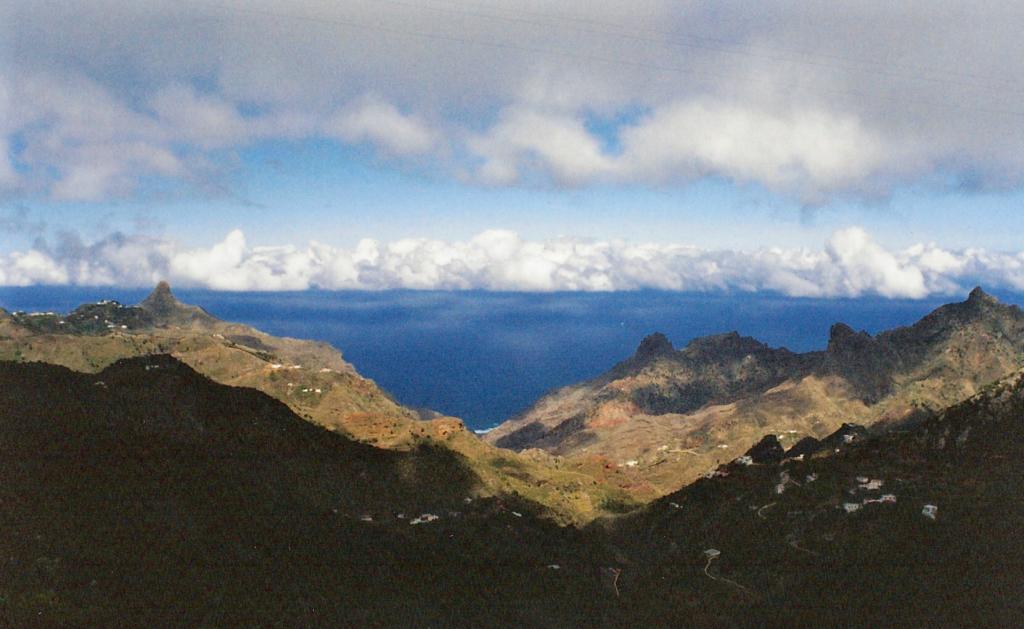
[665, 416]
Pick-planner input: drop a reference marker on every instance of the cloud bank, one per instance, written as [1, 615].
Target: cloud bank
[807, 100]
[850, 264]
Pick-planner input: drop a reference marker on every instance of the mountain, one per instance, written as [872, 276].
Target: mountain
[912, 527]
[667, 415]
[311, 378]
[165, 309]
[147, 494]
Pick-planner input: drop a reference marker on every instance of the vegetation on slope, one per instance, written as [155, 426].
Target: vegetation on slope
[310, 377]
[666, 416]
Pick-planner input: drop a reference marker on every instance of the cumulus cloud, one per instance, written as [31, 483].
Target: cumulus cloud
[809, 100]
[554, 143]
[806, 153]
[850, 264]
[869, 267]
[381, 124]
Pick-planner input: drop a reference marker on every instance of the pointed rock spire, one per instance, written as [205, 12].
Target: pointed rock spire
[165, 308]
[843, 338]
[979, 296]
[161, 302]
[162, 289]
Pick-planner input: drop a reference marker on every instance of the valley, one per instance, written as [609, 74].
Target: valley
[165, 466]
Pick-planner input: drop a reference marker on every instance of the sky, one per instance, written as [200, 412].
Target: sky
[803, 148]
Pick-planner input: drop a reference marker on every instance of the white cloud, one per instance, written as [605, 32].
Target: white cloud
[806, 99]
[807, 153]
[552, 143]
[851, 264]
[380, 123]
[802, 151]
[82, 143]
[94, 172]
[866, 266]
[206, 121]
[31, 267]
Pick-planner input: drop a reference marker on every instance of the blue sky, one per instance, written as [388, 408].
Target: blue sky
[295, 192]
[533, 145]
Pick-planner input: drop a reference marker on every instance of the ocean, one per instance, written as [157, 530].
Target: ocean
[486, 356]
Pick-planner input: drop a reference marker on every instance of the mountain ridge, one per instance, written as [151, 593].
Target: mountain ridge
[676, 413]
[148, 493]
[913, 527]
[311, 377]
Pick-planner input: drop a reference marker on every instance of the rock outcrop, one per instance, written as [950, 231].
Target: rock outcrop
[678, 413]
[165, 309]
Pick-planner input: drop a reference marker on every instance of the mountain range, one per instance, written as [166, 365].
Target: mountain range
[311, 378]
[667, 416]
[147, 494]
[163, 467]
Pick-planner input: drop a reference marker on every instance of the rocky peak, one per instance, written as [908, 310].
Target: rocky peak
[864, 361]
[165, 307]
[980, 307]
[842, 337]
[848, 433]
[805, 447]
[161, 301]
[656, 344]
[980, 297]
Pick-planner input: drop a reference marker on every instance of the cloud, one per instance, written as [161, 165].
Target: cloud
[381, 124]
[203, 120]
[232, 265]
[553, 143]
[869, 267]
[809, 154]
[18, 220]
[850, 264]
[804, 99]
[81, 143]
[804, 151]
[31, 267]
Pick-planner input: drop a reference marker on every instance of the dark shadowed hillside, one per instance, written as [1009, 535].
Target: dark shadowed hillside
[843, 535]
[148, 494]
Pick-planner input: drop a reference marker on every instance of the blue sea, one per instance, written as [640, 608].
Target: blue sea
[486, 356]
